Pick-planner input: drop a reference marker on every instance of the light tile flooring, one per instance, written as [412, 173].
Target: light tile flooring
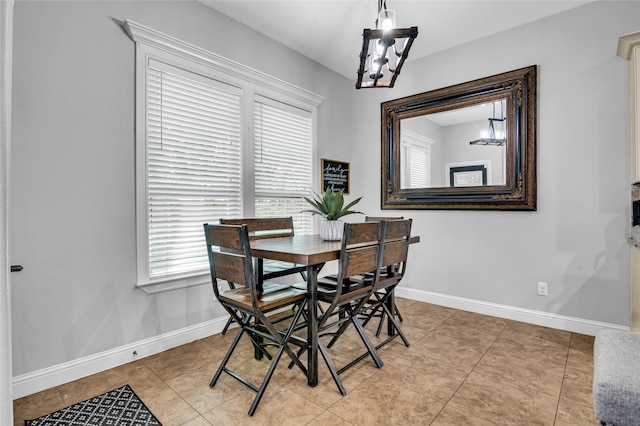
[461, 369]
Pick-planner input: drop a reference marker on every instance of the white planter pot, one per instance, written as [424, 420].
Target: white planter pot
[331, 230]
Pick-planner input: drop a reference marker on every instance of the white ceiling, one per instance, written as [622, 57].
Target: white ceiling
[330, 31]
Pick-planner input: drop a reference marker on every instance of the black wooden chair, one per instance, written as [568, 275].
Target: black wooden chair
[384, 270]
[359, 254]
[259, 228]
[394, 259]
[230, 260]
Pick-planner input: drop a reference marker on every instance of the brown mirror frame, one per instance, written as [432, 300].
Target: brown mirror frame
[518, 87]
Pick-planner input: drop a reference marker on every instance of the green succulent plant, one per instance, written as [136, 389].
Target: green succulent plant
[330, 205]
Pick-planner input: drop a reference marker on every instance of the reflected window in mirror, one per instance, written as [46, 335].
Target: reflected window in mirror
[415, 170]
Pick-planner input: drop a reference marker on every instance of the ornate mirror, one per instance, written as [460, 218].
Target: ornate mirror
[468, 146]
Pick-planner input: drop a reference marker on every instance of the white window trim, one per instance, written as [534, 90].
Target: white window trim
[151, 42]
[141, 34]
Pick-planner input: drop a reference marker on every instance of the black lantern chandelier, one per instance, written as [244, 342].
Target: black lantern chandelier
[384, 50]
[492, 138]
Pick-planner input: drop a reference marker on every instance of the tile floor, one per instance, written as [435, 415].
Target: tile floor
[461, 369]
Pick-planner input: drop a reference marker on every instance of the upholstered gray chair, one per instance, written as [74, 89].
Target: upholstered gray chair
[616, 377]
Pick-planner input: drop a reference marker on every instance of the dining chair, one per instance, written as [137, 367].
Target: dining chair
[259, 228]
[395, 249]
[270, 227]
[384, 270]
[230, 260]
[344, 298]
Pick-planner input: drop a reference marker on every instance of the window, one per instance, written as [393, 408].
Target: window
[194, 170]
[416, 160]
[213, 139]
[283, 162]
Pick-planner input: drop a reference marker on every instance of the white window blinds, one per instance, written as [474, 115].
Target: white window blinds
[415, 152]
[283, 161]
[419, 166]
[194, 167]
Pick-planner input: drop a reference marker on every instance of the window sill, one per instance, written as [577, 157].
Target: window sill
[161, 286]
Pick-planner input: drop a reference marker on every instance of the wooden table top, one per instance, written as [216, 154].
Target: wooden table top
[301, 249]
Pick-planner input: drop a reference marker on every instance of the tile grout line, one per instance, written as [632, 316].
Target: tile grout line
[164, 382]
[564, 376]
[471, 371]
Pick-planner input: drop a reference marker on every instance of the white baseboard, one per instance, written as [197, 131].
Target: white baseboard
[46, 378]
[545, 319]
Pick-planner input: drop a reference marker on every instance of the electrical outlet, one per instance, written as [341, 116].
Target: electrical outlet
[543, 290]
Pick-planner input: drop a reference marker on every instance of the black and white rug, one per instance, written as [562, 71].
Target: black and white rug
[119, 407]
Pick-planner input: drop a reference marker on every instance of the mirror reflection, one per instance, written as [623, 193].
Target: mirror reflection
[455, 148]
[467, 146]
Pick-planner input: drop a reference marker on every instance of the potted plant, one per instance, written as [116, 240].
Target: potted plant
[330, 205]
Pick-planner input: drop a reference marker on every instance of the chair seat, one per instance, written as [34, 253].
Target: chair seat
[333, 278]
[267, 300]
[331, 281]
[267, 287]
[273, 268]
[327, 295]
[270, 287]
[327, 289]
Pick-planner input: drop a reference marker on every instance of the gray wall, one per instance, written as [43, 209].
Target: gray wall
[577, 240]
[72, 194]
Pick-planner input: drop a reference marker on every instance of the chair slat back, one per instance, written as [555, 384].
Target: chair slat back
[229, 254]
[360, 248]
[260, 228]
[224, 236]
[381, 218]
[396, 241]
[361, 233]
[230, 268]
[394, 252]
[361, 260]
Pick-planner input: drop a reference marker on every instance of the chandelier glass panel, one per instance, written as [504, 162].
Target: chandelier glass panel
[384, 50]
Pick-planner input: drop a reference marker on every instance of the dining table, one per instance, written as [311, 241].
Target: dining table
[313, 252]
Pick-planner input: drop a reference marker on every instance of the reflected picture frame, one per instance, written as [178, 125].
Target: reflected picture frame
[468, 176]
